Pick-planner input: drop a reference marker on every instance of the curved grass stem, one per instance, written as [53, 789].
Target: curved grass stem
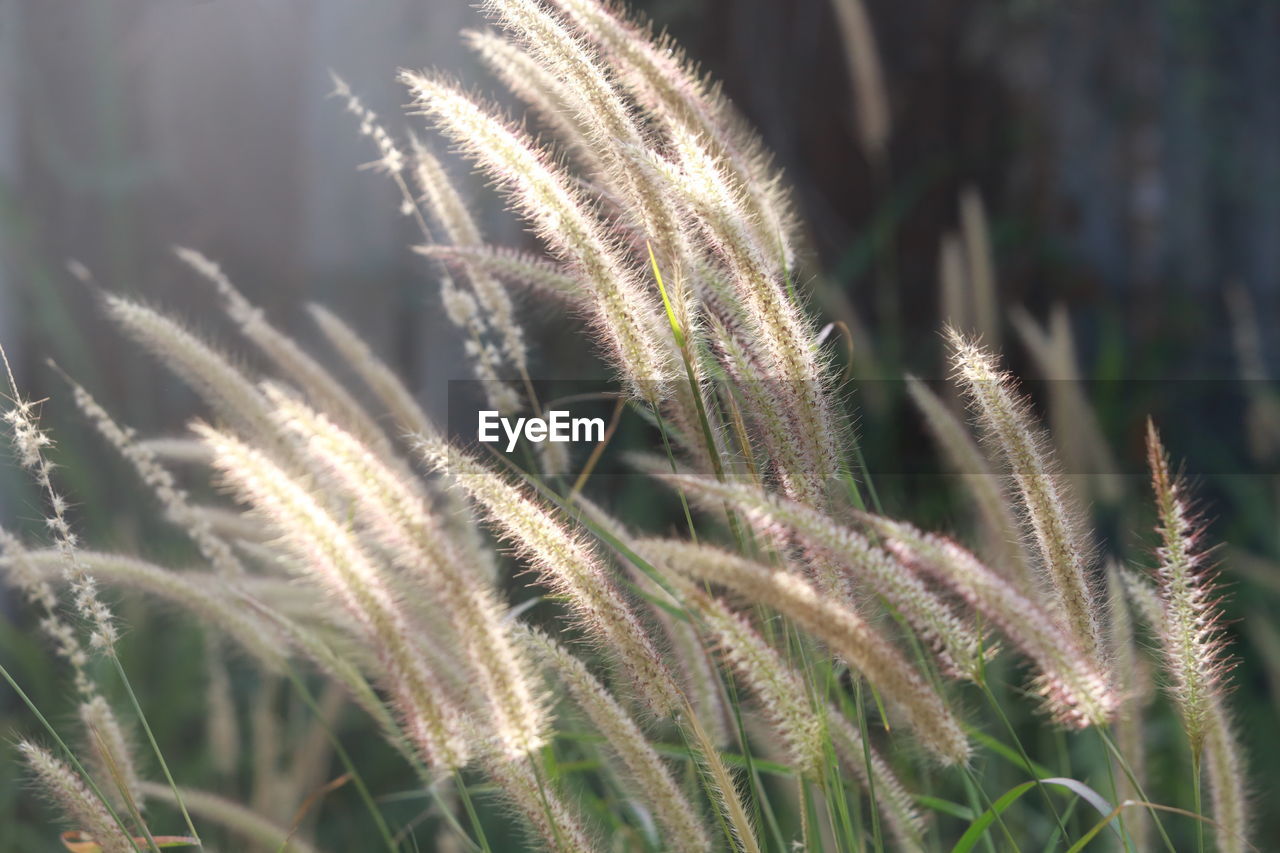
[155, 747]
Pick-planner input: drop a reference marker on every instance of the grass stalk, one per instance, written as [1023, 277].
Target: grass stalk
[62, 745]
[155, 747]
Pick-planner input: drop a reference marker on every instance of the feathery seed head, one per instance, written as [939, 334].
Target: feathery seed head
[1195, 656]
[653, 781]
[1076, 693]
[623, 307]
[223, 387]
[333, 557]
[1190, 630]
[375, 373]
[111, 753]
[1050, 514]
[782, 694]
[443, 199]
[981, 275]
[78, 804]
[896, 805]
[392, 161]
[530, 272]
[205, 595]
[780, 334]
[1226, 770]
[31, 443]
[1007, 554]
[545, 92]
[395, 515]
[560, 826]
[173, 498]
[1131, 671]
[449, 209]
[612, 129]
[24, 571]
[834, 547]
[294, 362]
[848, 635]
[569, 565]
[680, 101]
[871, 101]
[1143, 597]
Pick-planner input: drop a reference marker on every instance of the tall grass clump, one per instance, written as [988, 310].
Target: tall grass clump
[788, 663]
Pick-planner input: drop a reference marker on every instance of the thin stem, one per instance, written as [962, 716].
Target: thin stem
[1115, 795]
[113, 767]
[1025, 757]
[470, 808]
[546, 803]
[866, 758]
[1196, 794]
[598, 450]
[66, 750]
[356, 779]
[806, 808]
[984, 803]
[666, 444]
[155, 747]
[1137, 787]
[695, 390]
[729, 798]
[708, 787]
[760, 801]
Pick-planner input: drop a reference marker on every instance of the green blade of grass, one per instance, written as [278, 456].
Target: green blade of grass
[978, 829]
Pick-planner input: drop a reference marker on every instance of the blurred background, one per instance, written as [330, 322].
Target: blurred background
[1127, 158]
[1127, 155]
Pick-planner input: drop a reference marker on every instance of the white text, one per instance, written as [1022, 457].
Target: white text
[557, 427]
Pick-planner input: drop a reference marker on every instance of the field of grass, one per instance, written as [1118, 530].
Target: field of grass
[795, 598]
